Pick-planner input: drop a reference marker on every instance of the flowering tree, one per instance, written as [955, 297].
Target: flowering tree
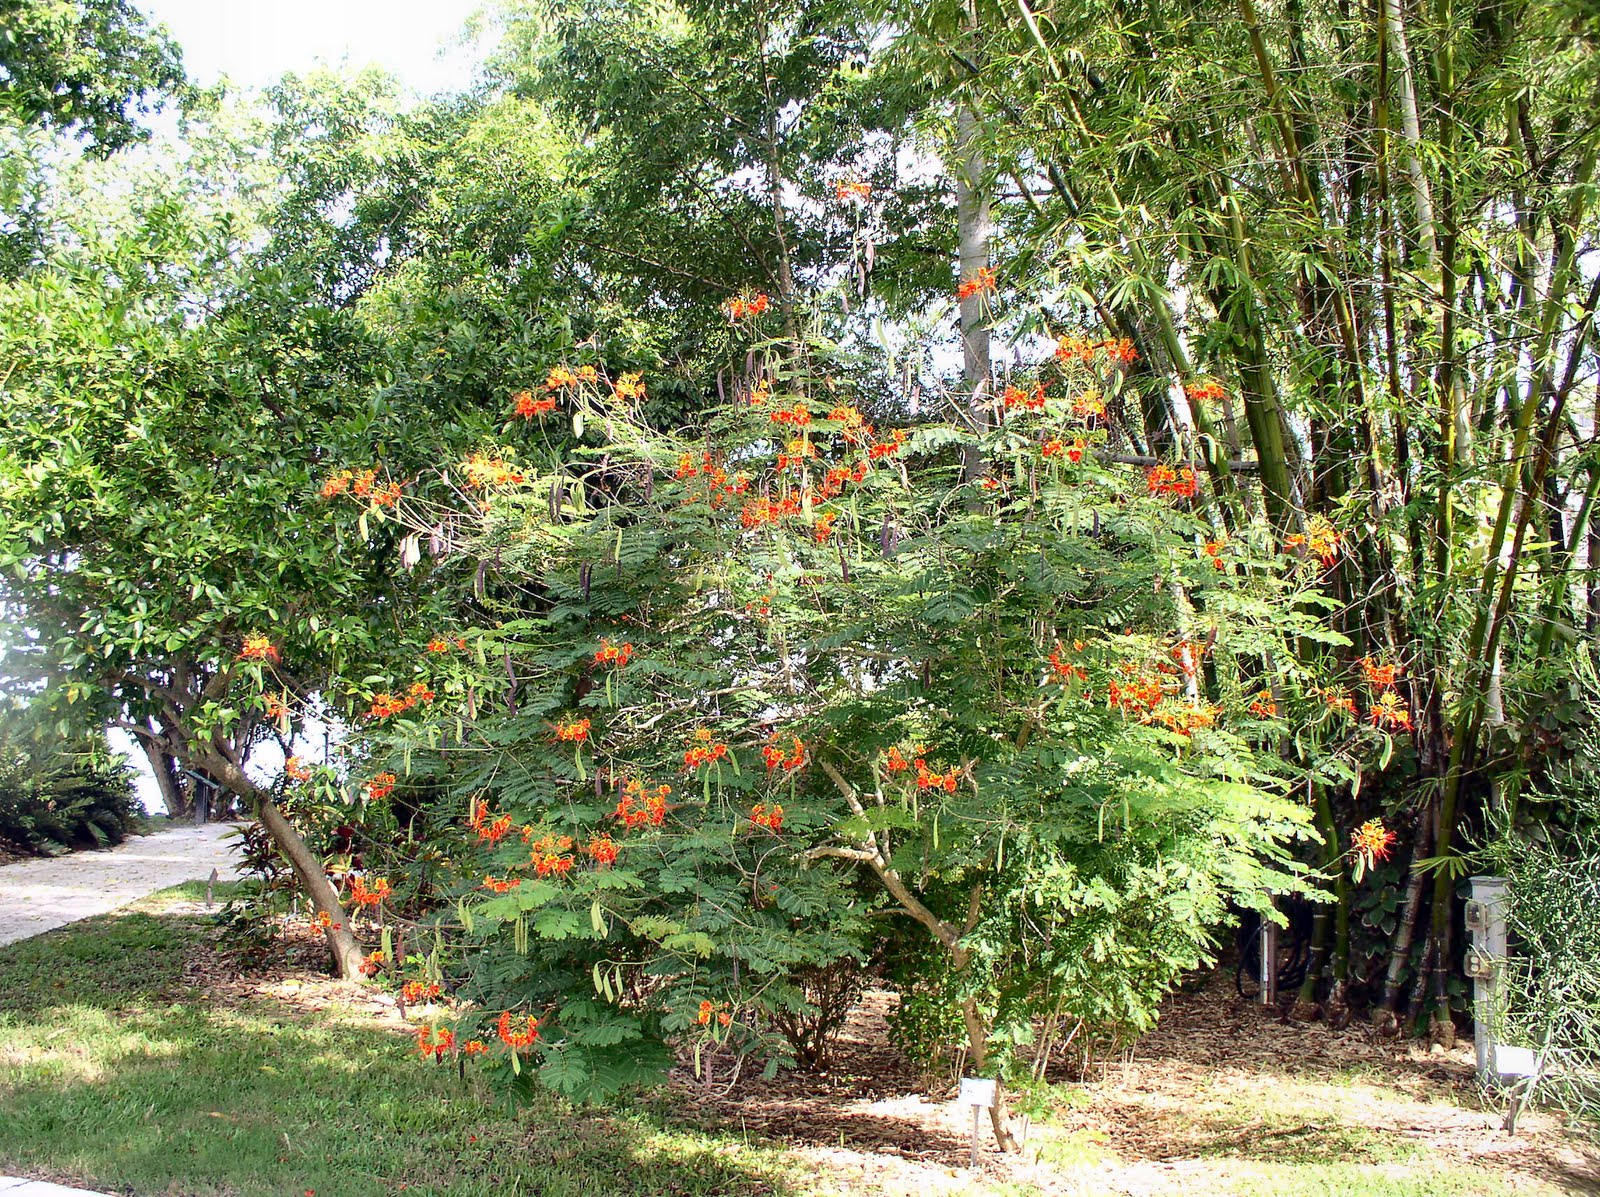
[757, 681]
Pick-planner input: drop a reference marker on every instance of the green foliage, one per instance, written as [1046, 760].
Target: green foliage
[852, 667]
[85, 65]
[57, 795]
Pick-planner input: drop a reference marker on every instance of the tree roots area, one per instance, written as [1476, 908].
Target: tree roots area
[137, 1059]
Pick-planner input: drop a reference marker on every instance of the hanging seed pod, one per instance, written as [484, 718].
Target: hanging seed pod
[557, 493]
[584, 578]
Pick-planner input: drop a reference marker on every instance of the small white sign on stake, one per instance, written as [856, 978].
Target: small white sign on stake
[979, 1093]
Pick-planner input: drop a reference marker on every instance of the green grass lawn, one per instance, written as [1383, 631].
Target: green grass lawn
[119, 1073]
[114, 1075]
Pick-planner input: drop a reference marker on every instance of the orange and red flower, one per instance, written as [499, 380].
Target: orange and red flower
[526, 406]
[435, 1044]
[613, 654]
[380, 787]
[770, 817]
[517, 1036]
[1372, 842]
[978, 284]
[259, 647]
[572, 731]
[739, 308]
[704, 750]
[852, 189]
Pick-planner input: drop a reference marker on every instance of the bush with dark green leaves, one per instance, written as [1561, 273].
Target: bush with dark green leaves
[55, 797]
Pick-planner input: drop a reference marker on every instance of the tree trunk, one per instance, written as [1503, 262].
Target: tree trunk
[978, 1049]
[163, 767]
[342, 943]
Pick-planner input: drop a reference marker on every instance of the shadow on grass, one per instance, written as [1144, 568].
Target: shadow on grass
[113, 1074]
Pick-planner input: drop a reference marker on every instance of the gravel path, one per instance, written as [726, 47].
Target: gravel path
[40, 895]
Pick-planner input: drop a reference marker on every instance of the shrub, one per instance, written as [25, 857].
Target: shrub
[55, 798]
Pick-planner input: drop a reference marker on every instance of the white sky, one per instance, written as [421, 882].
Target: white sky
[255, 42]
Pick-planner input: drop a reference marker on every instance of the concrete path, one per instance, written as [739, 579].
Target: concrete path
[15, 1186]
[40, 895]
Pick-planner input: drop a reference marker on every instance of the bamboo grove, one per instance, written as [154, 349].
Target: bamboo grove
[1374, 225]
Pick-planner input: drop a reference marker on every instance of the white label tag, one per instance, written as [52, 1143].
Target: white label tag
[977, 1091]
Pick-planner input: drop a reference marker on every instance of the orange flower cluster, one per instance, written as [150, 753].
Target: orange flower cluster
[1324, 541]
[704, 750]
[1170, 480]
[1056, 447]
[1139, 696]
[758, 512]
[435, 1044]
[1065, 670]
[1214, 548]
[519, 1037]
[1199, 392]
[1184, 718]
[1373, 841]
[833, 483]
[628, 386]
[1380, 677]
[760, 393]
[614, 654]
[372, 963]
[324, 922]
[1089, 406]
[651, 805]
[380, 787]
[978, 284]
[710, 1010]
[797, 453]
[769, 817]
[490, 832]
[991, 484]
[1264, 706]
[1116, 349]
[361, 894]
[603, 849]
[501, 885]
[823, 528]
[1014, 397]
[385, 704]
[1337, 698]
[440, 645]
[483, 472]
[777, 757]
[258, 647]
[572, 731]
[852, 189]
[363, 485]
[413, 992]
[295, 769]
[549, 854]
[1390, 712]
[526, 406]
[276, 707]
[894, 762]
[562, 376]
[741, 309]
[797, 416]
[474, 1047]
[855, 428]
[1186, 654]
[887, 447]
[927, 779]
